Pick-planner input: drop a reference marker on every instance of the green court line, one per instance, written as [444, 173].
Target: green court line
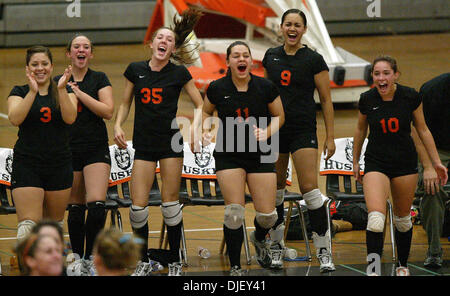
[424, 269]
[351, 268]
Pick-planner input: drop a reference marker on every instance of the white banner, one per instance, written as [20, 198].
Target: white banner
[342, 161]
[6, 160]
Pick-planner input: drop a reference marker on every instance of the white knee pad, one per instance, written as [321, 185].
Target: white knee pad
[313, 199]
[138, 216]
[376, 221]
[266, 220]
[277, 234]
[403, 224]
[172, 213]
[280, 197]
[234, 216]
[24, 228]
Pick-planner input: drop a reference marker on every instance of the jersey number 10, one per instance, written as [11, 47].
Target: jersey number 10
[392, 125]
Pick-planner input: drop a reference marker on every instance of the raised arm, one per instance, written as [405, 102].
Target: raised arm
[122, 114]
[67, 102]
[104, 107]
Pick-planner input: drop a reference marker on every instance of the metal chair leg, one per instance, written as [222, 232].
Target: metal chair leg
[183, 245]
[162, 234]
[288, 220]
[305, 232]
[327, 207]
[119, 220]
[113, 218]
[391, 228]
[246, 245]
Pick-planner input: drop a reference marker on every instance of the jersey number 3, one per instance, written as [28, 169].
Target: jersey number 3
[285, 77]
[46, 114]
[392, 125]
[151, 95]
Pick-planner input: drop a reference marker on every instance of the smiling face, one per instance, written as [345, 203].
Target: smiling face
[293, 28]
[41, 66]
[163, 44]
[80, 52]
[239, 60]
[47, 259]
[384, 77]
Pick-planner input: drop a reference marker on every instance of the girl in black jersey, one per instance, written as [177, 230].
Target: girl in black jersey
[42, 168]
[390, 158]
[246, 101]
[156, 85]
[90, 153]
[297, 71]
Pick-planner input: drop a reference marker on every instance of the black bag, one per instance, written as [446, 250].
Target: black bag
[353, 212]
[295, 227]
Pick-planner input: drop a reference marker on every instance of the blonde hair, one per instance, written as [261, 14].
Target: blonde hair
[117, 250]
[182, 29]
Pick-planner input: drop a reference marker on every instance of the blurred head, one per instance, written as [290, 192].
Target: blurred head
[42, 256]
[293, 26]
[40, 62]
[115, 252]
[79, 51]
[50, 228]
[239, 59]
[385, 73]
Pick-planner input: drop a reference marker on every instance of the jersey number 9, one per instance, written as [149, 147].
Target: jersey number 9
[285, 77]
[151, 95]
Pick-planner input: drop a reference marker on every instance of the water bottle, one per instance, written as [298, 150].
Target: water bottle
[204, 253]
[290, 253]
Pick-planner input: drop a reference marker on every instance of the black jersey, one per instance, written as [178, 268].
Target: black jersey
[156, 102]
[436, 108]
[294, 77]
[89, 130]
[242, 110]
[43, 137]
[389, 122]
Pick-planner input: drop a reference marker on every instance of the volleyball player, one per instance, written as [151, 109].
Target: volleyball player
[245, 100]
[298, 71]
[390, 158]
[156, 85]
[90, 154]
[42, 168]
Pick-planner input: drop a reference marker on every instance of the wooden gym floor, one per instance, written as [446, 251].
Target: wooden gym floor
[420, 57]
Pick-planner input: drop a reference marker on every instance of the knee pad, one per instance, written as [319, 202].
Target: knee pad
[172, 213]
[313, 199]
[277, 234]
[96, 211]
[280, 197]
[24, 228]
[403, 224]
[266, 220]
[376, 221]
[234, 216]
[138, 216]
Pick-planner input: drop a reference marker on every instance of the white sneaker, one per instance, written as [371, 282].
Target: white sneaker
[236, 271]
[262, 251]
[276, 252]
[75, 268]
[402, 271]
[88, 268]
[175, 269]
[323, 253]
[142, 269]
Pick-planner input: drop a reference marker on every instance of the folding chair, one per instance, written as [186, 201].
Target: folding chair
[353, 191]
[6, 207]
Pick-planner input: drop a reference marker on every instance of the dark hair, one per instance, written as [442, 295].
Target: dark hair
[182, 28]
[51, 223]
[45, 50]
[388, 59]
[294, 10]
[235, 43]
[69, 45]
[27, 248]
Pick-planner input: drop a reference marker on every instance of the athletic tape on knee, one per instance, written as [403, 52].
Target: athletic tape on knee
[403, 224]
[313, 199]
[172, 213]
[266, 220]
[375, 222]
[280, 197]
[234, 216]
[138, 216]
[277, 234]
[24, 228]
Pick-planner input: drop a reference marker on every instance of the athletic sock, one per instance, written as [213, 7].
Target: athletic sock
[95, 222]
[77, 228]
[403, 242]
[319, 220]
[234, 239]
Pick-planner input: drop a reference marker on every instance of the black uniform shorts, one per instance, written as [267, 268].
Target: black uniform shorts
[155, 156]
[49, 179]
[390, 171]
[295, 141]
[250, 165]
[90, 156]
